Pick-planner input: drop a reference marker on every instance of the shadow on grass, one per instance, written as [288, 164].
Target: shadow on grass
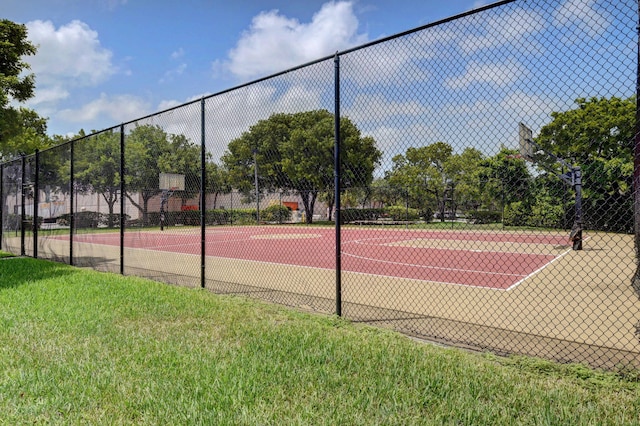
[15, 271]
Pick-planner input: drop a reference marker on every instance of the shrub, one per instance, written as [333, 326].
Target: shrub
[354, 215]
[546, 215]
[276, 213]
[402, 213]
[426, 214]
[83, 219]
[218, 217]
[12, 221]
[515, 214]
[478, 217]
[115, 219]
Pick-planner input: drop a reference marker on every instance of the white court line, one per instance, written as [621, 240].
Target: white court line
[363, 242]
[538, 270]
[433, 267]
[394, 244]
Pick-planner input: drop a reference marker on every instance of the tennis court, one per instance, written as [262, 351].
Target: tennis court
[496, 260]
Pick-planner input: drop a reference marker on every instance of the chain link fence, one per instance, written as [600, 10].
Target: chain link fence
[476, 190]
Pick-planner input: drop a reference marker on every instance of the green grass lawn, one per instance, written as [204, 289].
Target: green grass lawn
[83, 347]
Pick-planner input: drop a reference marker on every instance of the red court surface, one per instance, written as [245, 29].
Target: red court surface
[494, 260]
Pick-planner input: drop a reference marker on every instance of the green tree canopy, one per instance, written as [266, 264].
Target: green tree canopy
[433, 174]
[97, 168]
[13, 46]
[149, 150]
[21, 129]
[504, 178]
[217, 181]
[597, 136]
[295, 152]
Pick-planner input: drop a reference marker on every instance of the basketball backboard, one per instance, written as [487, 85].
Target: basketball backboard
[171, 182]
[527, 146]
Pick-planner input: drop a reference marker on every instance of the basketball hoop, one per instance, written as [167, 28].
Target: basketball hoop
[530, 151]
[168, 183]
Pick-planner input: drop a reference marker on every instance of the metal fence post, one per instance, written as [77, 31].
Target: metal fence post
[337, 179]
[72, 197]
[635, 281]
[36, 199]
[23, 211]
[122, 191]
[203, 195]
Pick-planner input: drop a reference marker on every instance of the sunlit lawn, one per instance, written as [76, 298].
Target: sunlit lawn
[82, 347]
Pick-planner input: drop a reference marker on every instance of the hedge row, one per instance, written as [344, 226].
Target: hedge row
[275, 213]
[192, 217]
[13, 221]
[396, 213]
[542, 214]
[479, 217]
[89, 219]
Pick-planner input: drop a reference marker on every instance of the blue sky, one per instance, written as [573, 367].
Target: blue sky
[103, 62]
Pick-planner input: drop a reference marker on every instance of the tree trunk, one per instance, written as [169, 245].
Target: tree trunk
[309, 201]
[138, 206]
[111, 201]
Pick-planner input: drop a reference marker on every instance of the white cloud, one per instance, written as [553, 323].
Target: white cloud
[275, 42]
[230, 114]
[393, 140]
[379, 110]
[171, 74]
[177, 54]
[582, 14]
[69, 55]
[48, 94]
[383, 63]
[498, 75]
[118, 108]
[527, 106]
[166, 104]
[511, 28]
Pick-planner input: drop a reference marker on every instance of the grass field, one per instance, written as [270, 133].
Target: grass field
[83, 347]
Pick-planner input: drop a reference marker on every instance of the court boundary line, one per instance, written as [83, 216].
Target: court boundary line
[394, 277]
[568, 250]
[247, 234]
[431, 267]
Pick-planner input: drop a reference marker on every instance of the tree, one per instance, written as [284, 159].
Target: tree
[383, 194]
[430, 175]
[462, 171]
[21, 129]
[97, 168]
[504, 179]
[217, 182]
[149, 150]
[294, 152]
[598, 137]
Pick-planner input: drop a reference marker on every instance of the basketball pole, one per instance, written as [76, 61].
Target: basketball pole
[163, 201]
[529, 151]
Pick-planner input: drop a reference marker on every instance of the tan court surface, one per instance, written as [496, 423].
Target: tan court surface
[583, 296]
